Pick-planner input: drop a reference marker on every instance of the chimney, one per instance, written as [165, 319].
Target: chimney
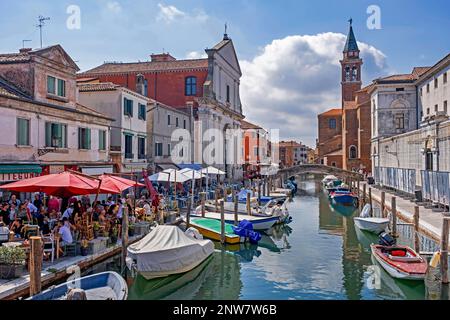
[162, 57]
[25, 50]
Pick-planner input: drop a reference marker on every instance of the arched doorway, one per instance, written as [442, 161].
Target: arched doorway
[429, 154]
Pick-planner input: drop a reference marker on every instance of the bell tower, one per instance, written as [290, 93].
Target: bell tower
[351, 68]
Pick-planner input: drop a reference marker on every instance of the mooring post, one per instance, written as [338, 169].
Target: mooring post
[124, 237]
[216, 199]
[203, 194]
[416, 229]
[236, 206]
[35, 265]
[222, 222]
[364, 194]
[370, 201]
[383, 204]
[249, 208]
[188, 214]
[444, 251]
[394, 216]
[259, 192]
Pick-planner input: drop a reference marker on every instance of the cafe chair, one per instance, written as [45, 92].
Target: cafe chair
[49, 246]
[70, 250]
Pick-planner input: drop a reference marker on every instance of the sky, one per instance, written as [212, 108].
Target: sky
[289, 50]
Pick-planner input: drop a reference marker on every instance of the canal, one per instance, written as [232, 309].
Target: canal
[319, 255]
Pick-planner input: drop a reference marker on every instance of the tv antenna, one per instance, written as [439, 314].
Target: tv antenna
[23, 43]
[41, 25]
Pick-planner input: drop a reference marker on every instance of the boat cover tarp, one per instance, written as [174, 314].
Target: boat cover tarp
[167, 249]
[245, 229]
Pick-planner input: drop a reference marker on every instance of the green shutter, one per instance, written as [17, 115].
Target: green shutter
[80, 139]
[131, 107]
[48, 134]
[125, 106]
[88, 139]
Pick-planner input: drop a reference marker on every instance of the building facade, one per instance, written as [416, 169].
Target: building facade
[329, 143]
[255, 149]
[45, 129]
[210, 86]
[128, 134]
[292, 153]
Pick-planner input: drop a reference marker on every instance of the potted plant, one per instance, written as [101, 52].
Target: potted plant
[114, 234]
[84, 247]
[96, 227]
[12, 262]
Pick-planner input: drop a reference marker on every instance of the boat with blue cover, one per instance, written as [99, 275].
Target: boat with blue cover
[344, 197]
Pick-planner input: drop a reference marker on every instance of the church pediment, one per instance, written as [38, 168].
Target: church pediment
[226, 50]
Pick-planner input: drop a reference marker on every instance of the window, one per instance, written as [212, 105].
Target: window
[421, 91]
[353, 153]
[55, 135]
[332, 123]
[333, 164]
[84, 138]
[101, 140]
[400, 121]
[146, 87]
[23, 132]
[61, 88]
[184, 124]
[228, 94]
[445, 77]
[436, 83]
[142, 112]
[129, 146]
[169, 150]
[51, 85]
[399, 89]
[176, 122]
[436, 108]
[429, 160]
[191, 86]
[428, 110]
[128, 107]
[158, 149]
[141, 148]
[445, 106]
[168, 119]
[428, 88]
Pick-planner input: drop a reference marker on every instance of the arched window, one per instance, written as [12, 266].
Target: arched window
[347, 73]
[190, 86]
[353, 152]
[140, 84]
[354, 74]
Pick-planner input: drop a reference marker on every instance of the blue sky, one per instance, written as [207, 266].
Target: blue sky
[413, 33]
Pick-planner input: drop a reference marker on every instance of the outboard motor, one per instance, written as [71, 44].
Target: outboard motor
[385, 239]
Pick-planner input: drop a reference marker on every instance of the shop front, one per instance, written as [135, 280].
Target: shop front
[17, 172]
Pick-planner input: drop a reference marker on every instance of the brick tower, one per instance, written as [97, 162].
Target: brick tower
[351, 68]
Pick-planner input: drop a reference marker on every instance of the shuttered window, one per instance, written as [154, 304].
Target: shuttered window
[23, 132]
[84, 138]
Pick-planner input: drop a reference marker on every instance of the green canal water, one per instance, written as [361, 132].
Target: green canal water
[319, 255]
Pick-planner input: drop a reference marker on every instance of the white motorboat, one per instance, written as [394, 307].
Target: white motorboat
[167, 250]
[367, 223]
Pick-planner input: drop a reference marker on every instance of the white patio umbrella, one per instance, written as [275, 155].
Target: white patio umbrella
[170, 175]
[194, 175]
[211, 171]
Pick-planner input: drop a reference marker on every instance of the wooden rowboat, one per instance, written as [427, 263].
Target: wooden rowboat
[400, 262]
[211, 229]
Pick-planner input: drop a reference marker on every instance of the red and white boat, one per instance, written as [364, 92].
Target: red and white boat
[400, 262]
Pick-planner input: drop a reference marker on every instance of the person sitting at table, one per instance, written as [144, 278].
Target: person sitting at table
[45, 227]
[68, 213]
[37, 201]
[14, 201]
[53, 204]
[4, 232]
[64, 230]
[4, 213]
[17, 227]
[102, 218]
[22, 213]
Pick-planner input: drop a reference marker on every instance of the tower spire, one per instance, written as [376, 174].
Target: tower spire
[351, 45]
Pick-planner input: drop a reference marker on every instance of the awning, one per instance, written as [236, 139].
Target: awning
[165, 166]
[192, 166]
[20, 168]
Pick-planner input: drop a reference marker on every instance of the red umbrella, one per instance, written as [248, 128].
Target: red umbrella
[64, 184]
[119, 184]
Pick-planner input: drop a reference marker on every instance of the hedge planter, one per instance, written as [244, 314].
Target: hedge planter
[11, 271]
[12, 262]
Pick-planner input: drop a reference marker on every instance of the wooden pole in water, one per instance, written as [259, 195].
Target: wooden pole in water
[203, 194]
[35, 265]
[394, 216]
[259, 192]
[188, 214]
[383, 204]
[124, 237]
[370, 202]
[364, 194]
[222, 222]
[236, 206]
[249, 208]
[416, 229]
[359, 194]
[444, 250]
[216, 199]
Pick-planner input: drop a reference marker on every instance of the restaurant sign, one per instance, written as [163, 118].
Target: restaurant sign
[10, 173]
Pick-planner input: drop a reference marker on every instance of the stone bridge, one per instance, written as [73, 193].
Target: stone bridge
[318, 169]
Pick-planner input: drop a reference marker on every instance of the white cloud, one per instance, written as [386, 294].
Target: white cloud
[114, 6]
[196, 55]
[169, 13]
[293, 79]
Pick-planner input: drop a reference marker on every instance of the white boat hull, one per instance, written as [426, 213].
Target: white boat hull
[374, 225]
[259, 223]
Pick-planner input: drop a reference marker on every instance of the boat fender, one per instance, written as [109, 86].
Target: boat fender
[435, 260]
[193, 233]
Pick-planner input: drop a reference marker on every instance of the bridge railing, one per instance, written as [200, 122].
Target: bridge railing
[399, 179]
[436, 186]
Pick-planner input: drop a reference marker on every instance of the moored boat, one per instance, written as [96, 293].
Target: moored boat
[211, 229]
[259, 223]
[166, 251]
[344, 197]
[100, 286]
[371, 224]
[400, 262]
